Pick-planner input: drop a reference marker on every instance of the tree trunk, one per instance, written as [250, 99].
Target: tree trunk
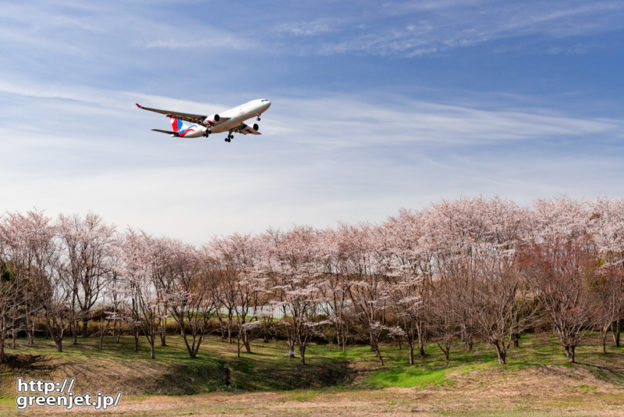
[85, 330]
[136, 339]
[411, 352]
[152, 341]
[375, 348]
[73, 324]
[265, 333]
[379, 355]
[119, 333]
[2, 356]
[2, 336]
[501, 352]
[247, 344]
[291, 348]
[58, 341]
[468, 340]
[31, 334]
[163, 331]
[103, 330]
[302, 349]
[615, 330]
[446, 349]
[194, 347]
[13, 335]
[569, 350]
[421, 338]
[56, 333]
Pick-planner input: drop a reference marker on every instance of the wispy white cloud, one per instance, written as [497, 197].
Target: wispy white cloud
[421, 28]
[402, 28]
[412, 121]
[313, 27]
[322, 159]
[214, 41]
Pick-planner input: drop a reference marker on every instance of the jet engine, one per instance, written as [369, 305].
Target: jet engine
[253, 129]
[210, 120]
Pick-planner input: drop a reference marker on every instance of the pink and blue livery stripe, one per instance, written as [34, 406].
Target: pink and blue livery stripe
[180, 129]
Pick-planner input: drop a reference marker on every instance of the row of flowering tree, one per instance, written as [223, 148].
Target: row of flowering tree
[456, 271]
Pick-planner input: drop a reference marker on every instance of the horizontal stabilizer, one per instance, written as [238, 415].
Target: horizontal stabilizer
[166, 131]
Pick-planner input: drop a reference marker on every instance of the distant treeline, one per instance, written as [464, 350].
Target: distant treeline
[457, 270]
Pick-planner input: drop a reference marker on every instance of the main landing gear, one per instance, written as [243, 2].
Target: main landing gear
[229, 137]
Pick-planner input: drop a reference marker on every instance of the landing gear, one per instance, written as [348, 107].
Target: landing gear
[229, 137]
[258, 117]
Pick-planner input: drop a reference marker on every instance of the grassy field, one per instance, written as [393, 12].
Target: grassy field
[537, 381]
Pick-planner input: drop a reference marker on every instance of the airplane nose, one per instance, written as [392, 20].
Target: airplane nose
[268, 104]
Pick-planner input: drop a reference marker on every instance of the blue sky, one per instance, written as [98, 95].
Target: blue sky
[376, 106]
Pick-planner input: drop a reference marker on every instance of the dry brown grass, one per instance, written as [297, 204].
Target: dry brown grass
[493, 392]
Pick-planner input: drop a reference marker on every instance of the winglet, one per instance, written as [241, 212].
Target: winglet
[138, 105]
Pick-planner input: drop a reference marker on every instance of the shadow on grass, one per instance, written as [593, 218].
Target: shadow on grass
[248, 375]
[29, 363]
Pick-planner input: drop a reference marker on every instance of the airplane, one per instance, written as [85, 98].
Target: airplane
[187, 125]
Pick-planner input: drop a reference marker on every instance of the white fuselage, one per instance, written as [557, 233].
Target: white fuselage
[241, 113]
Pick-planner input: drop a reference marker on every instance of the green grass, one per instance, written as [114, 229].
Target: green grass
[172, 371]
[407, 378]
[303, 395]
[331, 376]
[267, 369]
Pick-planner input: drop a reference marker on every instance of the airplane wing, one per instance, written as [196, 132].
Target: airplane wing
[188, 117]
[247, 130]
[193, 118]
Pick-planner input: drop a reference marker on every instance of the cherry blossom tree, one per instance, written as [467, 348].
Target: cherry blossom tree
[562, 273]
[145, 302]
[29, 241]
[236, 258]
[407, 263]
[608, 294]
[190, 296]
[333, 285]
[9, 300]
[87, 247]
[294, 275]
[607, 229]
[360, 249]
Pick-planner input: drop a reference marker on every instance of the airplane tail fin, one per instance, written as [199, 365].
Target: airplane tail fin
[181, 128]
[177, 125]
